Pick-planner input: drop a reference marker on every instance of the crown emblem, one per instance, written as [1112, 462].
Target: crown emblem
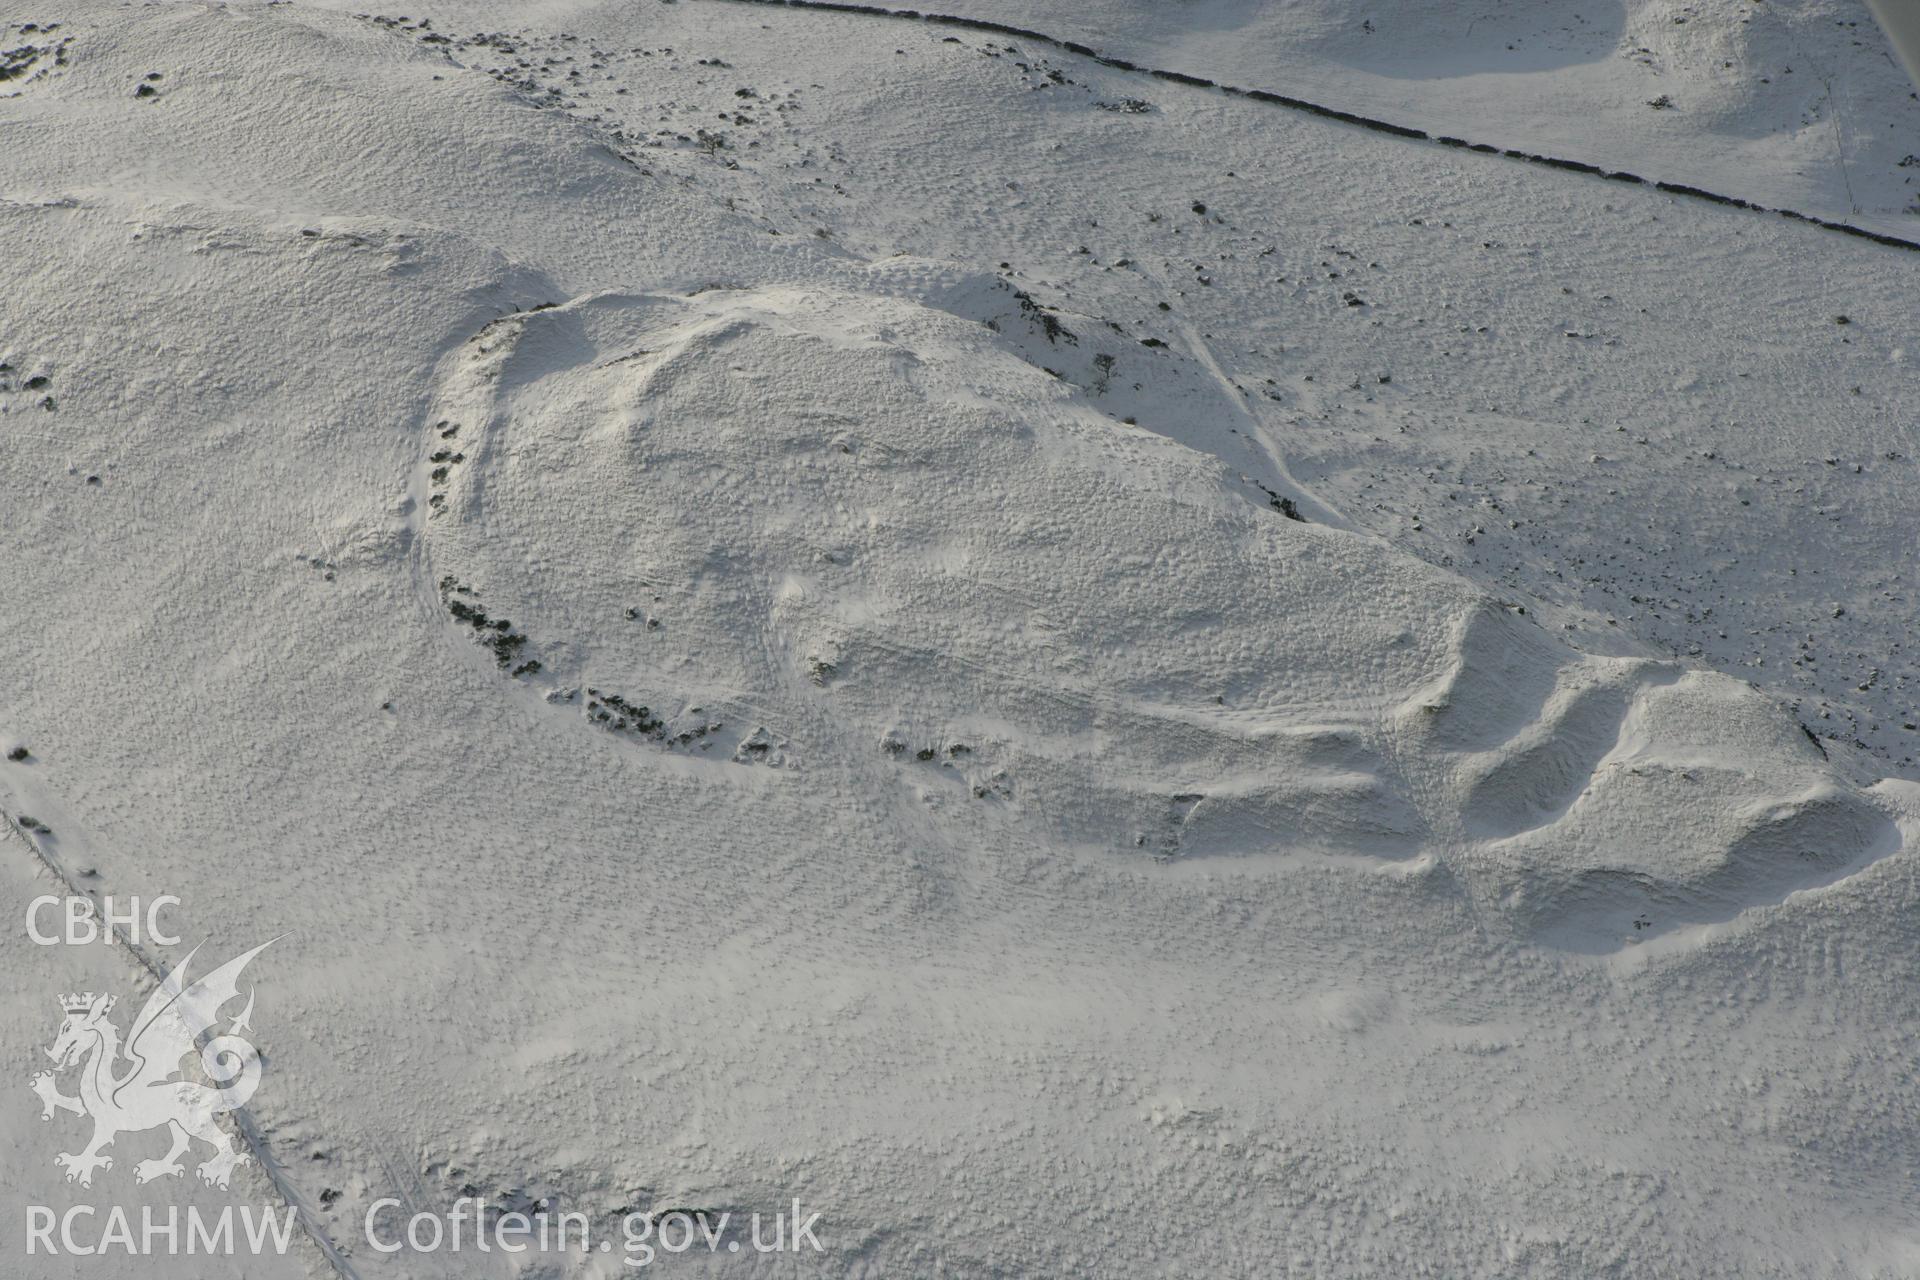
[77, 1004]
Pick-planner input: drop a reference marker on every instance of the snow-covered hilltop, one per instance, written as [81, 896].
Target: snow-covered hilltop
[1084, 676]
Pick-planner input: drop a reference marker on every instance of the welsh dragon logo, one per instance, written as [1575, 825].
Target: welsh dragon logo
[142, 1085]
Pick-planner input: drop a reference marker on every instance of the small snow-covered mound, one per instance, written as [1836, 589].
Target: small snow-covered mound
[1608, 799]
[852, 535]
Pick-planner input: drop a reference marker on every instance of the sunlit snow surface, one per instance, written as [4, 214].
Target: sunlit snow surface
[726, 573]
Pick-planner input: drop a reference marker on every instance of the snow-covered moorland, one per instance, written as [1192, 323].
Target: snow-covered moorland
[1077, 674]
